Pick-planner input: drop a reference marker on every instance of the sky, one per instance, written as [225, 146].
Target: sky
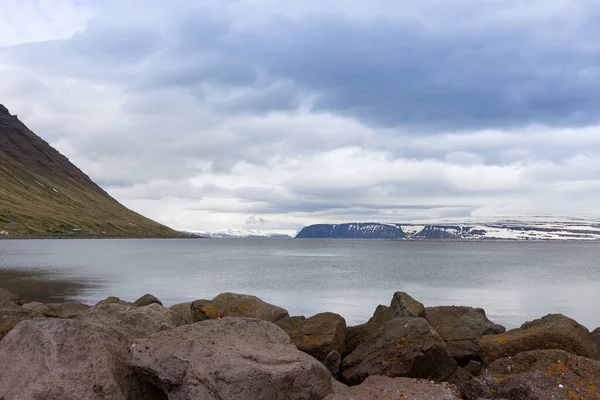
[270, 115]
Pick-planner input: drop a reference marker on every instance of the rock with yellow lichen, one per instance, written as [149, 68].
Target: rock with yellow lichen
[461, 328]
[402, 305]
[552, 332]
[236, 305]
[538, 375]
[318, 335]
[406, 347]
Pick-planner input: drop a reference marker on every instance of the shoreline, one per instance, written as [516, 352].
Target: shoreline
[447, 352]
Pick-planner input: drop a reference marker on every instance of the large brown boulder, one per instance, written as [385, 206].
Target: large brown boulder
[68, 359]
[461, 327]
[538, 375]
[40, 308]
[407, 347]
[146, 300]
[236, 305]
[402, 305]
[317, 335]
[133, 322]
[185, 310]
[382, 387]
[5, 295]
[231, 358]
[554, 331]
[113, 300]
[596, 336]
[69, 310]
[11, 315]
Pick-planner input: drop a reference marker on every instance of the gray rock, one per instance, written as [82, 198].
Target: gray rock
[113, 300]
[596, 336]
[459, 377]
[185, 310]
[68, 359]
[406, 347]
[333, 362]
[402, 305]
[69, 310]
[461, 327]
[11, 315]
[554, 331]
[318, 335]
[146, 300]
[133, 322]
[231, 358]
[337, 386]
[538, 375]
[381, 387]
[40, 308]
[474, 367]
[236, 305]
[5, 295]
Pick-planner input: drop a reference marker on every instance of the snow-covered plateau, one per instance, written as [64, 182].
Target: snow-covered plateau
[530, 228]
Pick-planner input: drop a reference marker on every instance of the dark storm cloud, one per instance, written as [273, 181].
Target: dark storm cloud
[391, 72]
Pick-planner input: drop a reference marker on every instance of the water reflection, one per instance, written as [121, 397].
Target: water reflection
[45, 286]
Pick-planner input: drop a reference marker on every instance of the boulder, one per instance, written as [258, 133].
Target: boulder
[69, 310]
[11, 315]
[538, 375]
[202, 310]
[554, 331]
[133, 322]
[318, 335]
[146, 300]
[236, 305]
[39, 308]
[407, 347]
[459, 377]
[461, 327]
[185, 310]
[333, 362]
[113, 300]
[382, 387]
[231, 358]
[402, 305]
[596, 336]
[68, 359]
[5, 295]
[474, 367]
[337, 386]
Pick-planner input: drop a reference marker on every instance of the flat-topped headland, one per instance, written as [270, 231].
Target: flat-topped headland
[236, 346]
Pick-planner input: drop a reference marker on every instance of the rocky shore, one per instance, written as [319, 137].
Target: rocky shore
[237, 346]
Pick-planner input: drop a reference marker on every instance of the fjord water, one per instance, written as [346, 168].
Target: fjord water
[512, 281]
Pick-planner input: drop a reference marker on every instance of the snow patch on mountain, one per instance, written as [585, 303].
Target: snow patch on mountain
[246, 233]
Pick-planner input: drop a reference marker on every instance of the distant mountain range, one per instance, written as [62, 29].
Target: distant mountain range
[540, 228]
[43, 193]
[244, 233]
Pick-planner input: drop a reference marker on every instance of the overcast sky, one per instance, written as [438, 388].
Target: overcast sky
[265, 114]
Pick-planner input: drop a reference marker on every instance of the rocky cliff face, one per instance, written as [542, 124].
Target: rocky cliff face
[42, 192]
[366, 230]
[534, 229]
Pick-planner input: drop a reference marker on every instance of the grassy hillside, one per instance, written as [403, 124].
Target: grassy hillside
[43, 193]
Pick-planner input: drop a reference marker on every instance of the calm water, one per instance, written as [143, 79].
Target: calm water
[512, 281]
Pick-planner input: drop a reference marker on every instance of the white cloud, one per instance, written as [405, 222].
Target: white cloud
[191, 121]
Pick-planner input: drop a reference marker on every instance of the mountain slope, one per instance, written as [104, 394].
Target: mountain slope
[43, 193]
